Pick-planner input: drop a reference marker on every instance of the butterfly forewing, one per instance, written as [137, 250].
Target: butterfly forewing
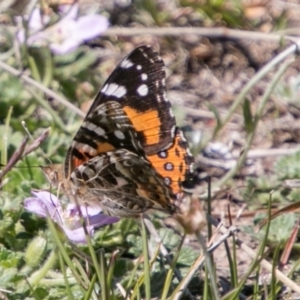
[106, 128]
[138, 84]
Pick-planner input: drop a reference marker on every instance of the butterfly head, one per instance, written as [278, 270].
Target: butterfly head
[53, 174]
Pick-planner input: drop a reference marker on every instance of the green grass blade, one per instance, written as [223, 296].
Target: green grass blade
[259, 256]
[4, 140]
[62, 250]
[209, 267]
[88, 294]
[63, 269]
[147, 283]
[110, 272]
[103, 282]
[274, 283]
[169, 277]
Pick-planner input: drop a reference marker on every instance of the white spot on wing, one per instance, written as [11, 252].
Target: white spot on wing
[169, 166]
[100, 131]
[165, 96]
[126, 64]
[173, 129]
[189, 152]
[119, 134]
[114, 89]
[144, 76]
[162, 154]
[143, 90]
[167, 180]
[139, 67]
[104, 89]
[113, 159]
[182, 135]
[191, 168]
[121, 181]
[92, 127]
[88, 149]
[81, 168]
[88, 126]
[85, 148]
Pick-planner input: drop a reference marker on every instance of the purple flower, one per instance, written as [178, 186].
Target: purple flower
[65, 35]
[44, 203]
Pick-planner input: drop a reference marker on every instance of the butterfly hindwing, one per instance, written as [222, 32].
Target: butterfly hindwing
[174, 164]
[125, 181]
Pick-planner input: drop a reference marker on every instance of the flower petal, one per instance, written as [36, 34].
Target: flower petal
[44, 203]
[85, 210]
[70, 11]
[36, 206]
[77, 235]
[65, 35]
[76, 32]
[65, 47]
[101, 220]
[46, 197]
[93, 217]
[37, 21]
[89, 27]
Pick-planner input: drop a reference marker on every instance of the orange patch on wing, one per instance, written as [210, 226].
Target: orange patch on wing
[105, 147]
[102, 148]
[147, 122]
[77, 162]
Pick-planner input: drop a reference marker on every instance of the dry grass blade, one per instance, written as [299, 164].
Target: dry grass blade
[288, 247]
[220, 32]
[290, 208]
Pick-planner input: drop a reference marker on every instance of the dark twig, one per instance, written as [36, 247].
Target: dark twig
[36, 143]
[21, 152]
[14, 159]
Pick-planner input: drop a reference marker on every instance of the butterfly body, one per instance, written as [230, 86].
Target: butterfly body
[128, 156]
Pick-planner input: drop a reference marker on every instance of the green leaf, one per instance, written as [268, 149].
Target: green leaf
[7, 275]
[280, 228]
[9, 259]
[35, 251]
[288, 167]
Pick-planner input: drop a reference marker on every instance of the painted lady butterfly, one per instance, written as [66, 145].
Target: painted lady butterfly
[128, 156]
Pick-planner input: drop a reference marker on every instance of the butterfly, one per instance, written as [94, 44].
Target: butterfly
[128, 156]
